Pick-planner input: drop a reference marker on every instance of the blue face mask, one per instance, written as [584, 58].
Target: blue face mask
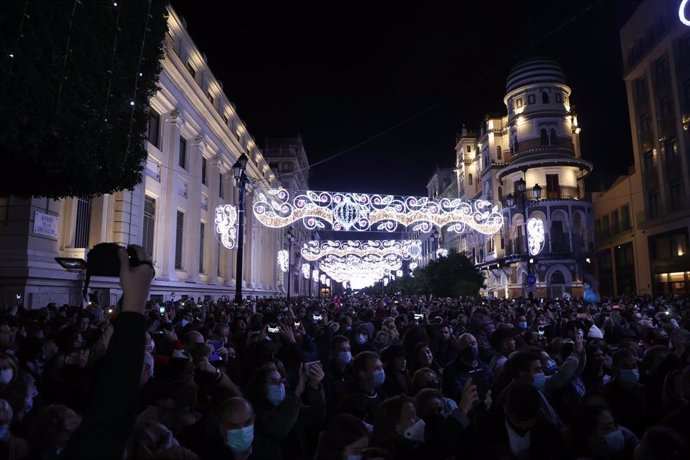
[615, 441]
[539, 380]
[362, 339]
[240, 440]
[379, 377]
[344, 357]
[522, 324]
[276, 394]
[629, 376]
[184, 322]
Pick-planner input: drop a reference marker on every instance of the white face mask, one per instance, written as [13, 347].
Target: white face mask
[6, 376]
[416, 431]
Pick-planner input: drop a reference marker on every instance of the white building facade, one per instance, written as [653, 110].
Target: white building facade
[530, 162]
[195, 137]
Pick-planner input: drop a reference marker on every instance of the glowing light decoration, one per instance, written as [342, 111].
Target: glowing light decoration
[323, 279]
[364, 212]
[413, 266]
[315, 275]
[681, 13]
[306, 271]
[359, 272]
[283, 260]
[226, 220]
[399, 273]
[535, 235]
[385, 281]
[440, 252]
[405, 249]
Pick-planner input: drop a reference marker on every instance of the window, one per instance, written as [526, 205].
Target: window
[653, 200]
[203, 170]
[515, 143]
[191, 70]
[183, 153]
[210, 98]
[640, 91]
[597, 228]
[469, 179]
[605, 227]
[221, 194]
[225, 119]
[469, 149]
[149, 225]
[218, 259]
[83, 223]
[625, 217]
[518, 103]
[499, 155]
[201, 247]
[553, 138]
[559, 97]
[544, 137]
[544, 97]
[675, 196]
[671, 150]
[154, 127]
[615, 224]
[530, 99]
[553, 189]
[179, 237]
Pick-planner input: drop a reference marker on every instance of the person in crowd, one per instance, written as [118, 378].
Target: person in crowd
[443, 345]
[503, 343]
[594, 434]
[364, 394]
[345, 438]
[398, 380]
[456, 374]
[11, 446]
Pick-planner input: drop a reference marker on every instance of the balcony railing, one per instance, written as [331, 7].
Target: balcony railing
[561, 193]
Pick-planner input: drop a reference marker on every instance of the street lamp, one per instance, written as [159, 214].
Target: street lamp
[290, 237]
[434, 244]
[239, 172]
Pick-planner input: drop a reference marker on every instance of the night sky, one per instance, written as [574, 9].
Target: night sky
[344, 76]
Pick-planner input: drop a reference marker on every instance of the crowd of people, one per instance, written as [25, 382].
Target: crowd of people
[351, 377]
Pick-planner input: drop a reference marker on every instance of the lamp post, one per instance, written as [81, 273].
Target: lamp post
[434, 244]
[239, 172]
[290, 237]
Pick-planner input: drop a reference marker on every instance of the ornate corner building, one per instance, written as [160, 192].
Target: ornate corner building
[529, 160]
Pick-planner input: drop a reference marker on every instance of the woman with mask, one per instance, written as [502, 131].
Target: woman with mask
[398, 429]
[595, 435]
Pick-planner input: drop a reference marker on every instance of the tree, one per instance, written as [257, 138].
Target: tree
[75, 81]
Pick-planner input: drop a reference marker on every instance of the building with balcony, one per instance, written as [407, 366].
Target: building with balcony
[288, 159]
[195, 137]
[656, 69]
[529, 161]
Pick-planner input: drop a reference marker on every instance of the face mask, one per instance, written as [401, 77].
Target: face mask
[344, 357]
[4, 432]
[150, 346]
[522, 324]
[379, 377]
[469, 353]
[6, 376]
[362, 339]
[184, 322]
[416, 431]
[276, 394]
[629, 376]
[240, 440]
[615, 441]
[348, 328]
[539, 380]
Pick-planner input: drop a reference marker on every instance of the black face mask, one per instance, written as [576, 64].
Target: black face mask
[469, 354]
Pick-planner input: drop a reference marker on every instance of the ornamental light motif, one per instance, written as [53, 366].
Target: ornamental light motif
[405, 249]
[681, 13]
[535, 235]
[315, 275]
[226, 219]
[283, 260]
[306, 271]
[440, 252]
[360, 272]
[364, 212]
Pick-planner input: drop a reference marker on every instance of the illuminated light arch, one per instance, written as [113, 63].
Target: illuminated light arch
[360, 272]
[405, 249]
[283, 260]
[226, 218]
[364, 212]
[535, 235]
[681, 13]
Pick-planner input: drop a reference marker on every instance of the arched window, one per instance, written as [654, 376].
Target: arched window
[469, 149]
[554, 138]
[500, 194]
[544, 137]
[469, 179]
[498, 153]
[557, 277]
[544, 97]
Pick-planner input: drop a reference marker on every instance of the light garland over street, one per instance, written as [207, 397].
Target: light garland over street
[405, 249]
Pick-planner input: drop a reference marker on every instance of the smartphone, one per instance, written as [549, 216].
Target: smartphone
[214, 358]
[273, 329]
[479, 379]
[317, 317]
[298, 323]
[418, 315]
[541, 330]
[162, 310]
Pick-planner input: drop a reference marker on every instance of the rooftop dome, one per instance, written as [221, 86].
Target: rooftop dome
[534, 70]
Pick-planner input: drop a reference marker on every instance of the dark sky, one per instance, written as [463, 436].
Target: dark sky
[342, 74]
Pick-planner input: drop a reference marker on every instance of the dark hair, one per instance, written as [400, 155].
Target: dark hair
[360, 363]
[523, 401]
[340, 433]
[663, 443]
[583, 423]
[521, 362]
[337, 341]
[387, 417]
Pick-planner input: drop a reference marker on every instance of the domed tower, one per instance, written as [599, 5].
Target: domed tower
[549, 221]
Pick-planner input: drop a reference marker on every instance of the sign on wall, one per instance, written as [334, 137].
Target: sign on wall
[46, 225]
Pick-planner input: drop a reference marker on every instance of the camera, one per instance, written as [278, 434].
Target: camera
[103, 260]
